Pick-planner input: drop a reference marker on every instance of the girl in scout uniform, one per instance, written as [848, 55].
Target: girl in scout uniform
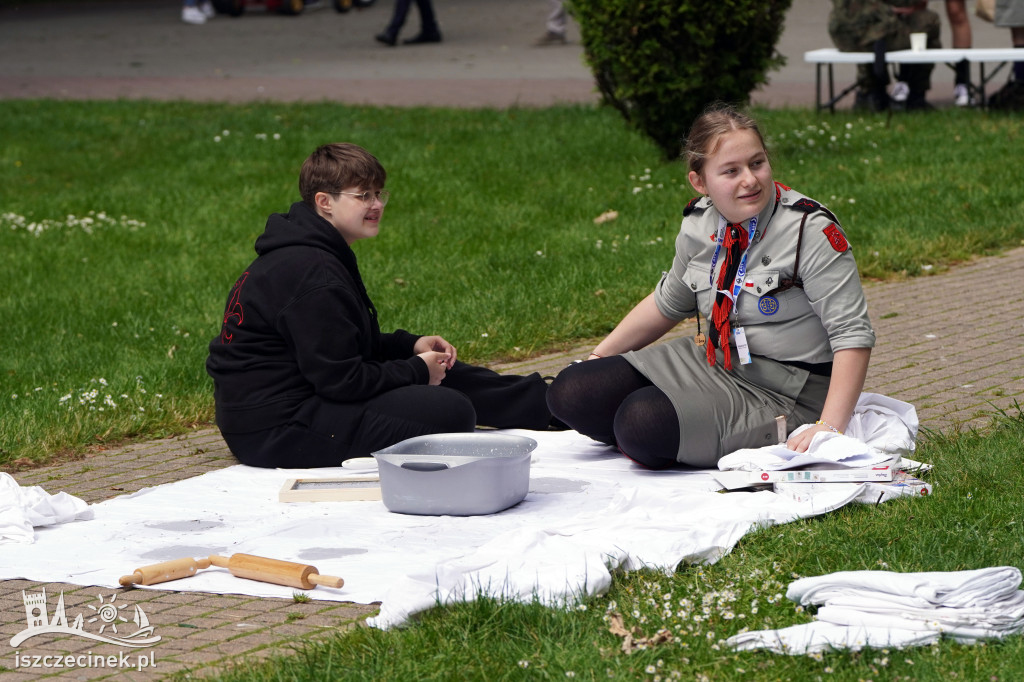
[783, 329]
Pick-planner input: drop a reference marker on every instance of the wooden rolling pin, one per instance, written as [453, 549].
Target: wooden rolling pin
[241, 565]
[275, 571]
[161, 573]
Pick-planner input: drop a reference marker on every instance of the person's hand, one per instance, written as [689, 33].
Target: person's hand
[437, 365]
[801, 441]
[436, 343]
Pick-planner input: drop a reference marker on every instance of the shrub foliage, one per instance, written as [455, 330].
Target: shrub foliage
[661, 62]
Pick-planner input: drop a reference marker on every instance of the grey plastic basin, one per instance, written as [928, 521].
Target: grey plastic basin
[455, 474]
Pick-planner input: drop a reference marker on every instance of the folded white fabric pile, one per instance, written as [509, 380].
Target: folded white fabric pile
[885, 609]
[24, 508]
[881, 428]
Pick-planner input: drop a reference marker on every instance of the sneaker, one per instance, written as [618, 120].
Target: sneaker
[193, 15]
[900, 92]
[962, 95]
[550, 38]
[207, 9]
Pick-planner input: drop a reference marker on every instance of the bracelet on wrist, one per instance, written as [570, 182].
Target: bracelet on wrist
[822, 422]
[594, 355]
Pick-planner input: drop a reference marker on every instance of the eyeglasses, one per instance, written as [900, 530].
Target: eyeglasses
[368, 197]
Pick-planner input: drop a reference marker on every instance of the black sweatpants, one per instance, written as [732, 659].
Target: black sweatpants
[324, 434]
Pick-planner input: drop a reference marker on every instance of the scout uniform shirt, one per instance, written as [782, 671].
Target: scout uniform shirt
[794, 305]
[800, 300]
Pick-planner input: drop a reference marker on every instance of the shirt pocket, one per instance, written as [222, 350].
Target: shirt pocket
[698, 279]
[756, 303]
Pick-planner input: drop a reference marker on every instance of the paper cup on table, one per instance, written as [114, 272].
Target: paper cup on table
[918, 42]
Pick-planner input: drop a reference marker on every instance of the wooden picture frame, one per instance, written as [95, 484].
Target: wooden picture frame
[354, 487]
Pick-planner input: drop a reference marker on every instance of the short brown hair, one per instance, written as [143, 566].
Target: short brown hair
[333, 167]
[717, 120]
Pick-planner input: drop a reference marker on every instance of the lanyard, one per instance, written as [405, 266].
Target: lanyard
[737, 285]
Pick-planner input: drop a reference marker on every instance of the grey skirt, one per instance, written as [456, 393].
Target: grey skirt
[722, 411]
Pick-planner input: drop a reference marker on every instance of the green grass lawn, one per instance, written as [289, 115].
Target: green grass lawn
[123, 225]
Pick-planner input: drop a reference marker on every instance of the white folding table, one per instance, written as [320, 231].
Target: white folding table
[981, 56]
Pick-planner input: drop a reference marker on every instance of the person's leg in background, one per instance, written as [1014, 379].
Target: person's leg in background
[866, 27]
[918, 77]
[960, 25]
[555, 26]
[389, 36]
[429, 31]
[1010, 14]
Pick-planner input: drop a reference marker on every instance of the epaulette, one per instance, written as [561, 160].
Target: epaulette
[806, 205]
[692, 206]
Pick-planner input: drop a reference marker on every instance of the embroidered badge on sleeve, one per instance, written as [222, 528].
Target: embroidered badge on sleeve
[836, 238]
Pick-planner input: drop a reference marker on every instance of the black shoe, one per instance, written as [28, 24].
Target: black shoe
[1010, 97]
[387, 37]
[423, 37]
[917, 102]
[867, 100]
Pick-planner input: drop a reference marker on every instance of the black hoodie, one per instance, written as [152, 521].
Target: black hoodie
[298, 324]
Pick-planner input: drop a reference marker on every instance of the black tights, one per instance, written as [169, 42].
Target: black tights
[609, 401]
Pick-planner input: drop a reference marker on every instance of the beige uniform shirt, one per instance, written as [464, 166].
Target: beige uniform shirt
[805, 324]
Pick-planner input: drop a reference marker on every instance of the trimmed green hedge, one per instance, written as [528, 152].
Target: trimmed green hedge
[661, 62]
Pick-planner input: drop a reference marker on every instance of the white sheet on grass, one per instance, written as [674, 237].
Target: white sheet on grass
[589, 511]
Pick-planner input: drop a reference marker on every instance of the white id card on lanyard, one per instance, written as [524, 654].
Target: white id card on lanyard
[741, 345]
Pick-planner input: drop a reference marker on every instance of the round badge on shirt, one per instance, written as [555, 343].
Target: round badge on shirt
[768, 305]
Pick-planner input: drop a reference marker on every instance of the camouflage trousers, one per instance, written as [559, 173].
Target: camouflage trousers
[872, 26]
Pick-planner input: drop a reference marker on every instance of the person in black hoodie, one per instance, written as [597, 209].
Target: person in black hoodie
[303, 376]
